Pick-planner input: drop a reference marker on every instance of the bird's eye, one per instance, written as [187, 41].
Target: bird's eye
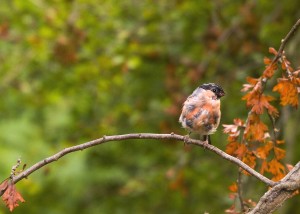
[214, 90]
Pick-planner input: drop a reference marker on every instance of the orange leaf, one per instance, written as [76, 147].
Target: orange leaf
[259, 102]
[231, 147]
[267, 61]
[278, 177]
[273, 51]
[279, 153]
[280, 141]
[264, 167]
[252, 82]
[255, 129]
[263, 102]
[288, 92]
[263, 152]
[250, 160]
[11, 197]
[277, 169]
[269, 71]
[241, 150]
[233, 187]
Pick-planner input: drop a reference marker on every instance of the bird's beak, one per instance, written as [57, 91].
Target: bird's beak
[222, 94]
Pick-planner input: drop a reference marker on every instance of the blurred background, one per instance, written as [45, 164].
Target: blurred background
[74, 70]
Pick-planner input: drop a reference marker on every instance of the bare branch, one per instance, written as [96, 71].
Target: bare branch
[171, 136]
[285, 41]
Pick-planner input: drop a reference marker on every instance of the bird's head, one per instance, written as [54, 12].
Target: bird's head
[216, 89]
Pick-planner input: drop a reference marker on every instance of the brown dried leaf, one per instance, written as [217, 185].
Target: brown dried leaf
[3, 186]
[11, 197]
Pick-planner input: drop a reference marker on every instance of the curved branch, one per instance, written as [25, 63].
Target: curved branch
[171, 136]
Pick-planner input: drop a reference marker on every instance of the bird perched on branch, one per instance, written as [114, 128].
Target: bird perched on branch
[201, 111]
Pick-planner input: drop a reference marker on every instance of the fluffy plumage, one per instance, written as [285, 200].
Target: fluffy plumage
[201, 111]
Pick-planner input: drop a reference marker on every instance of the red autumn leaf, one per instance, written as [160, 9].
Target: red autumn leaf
[263, 152]
[273, 51]
[11, 197]
[288, 92]
[279, 153]
[233, 187]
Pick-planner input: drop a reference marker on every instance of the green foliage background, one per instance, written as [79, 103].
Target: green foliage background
[75, 70]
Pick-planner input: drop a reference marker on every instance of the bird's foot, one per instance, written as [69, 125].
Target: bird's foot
[207, 139]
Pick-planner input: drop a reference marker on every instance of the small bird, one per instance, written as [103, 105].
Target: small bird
[201, 111]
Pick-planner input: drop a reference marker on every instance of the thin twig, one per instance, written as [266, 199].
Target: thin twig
[171, 136]
[239, 183]
[14, 168]
[285, 41]
[274, 129]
